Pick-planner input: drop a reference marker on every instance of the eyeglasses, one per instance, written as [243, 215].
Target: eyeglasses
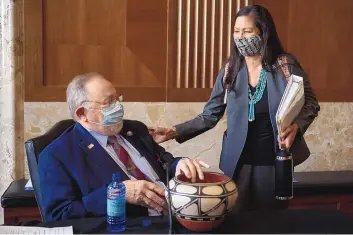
[113, 101]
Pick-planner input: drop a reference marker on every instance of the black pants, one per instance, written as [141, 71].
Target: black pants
[256, 189]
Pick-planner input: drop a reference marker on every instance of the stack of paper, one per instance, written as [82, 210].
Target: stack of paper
[35, 230]
[292, 102]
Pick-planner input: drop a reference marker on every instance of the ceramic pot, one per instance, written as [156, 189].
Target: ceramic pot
[203, 205]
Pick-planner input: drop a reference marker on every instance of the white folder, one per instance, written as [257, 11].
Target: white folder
[292, 102]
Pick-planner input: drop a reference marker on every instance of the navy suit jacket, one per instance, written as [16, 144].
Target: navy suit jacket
[74, 177]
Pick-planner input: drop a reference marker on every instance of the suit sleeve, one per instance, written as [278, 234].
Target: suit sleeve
[166, 157]
[61, 195]
[212, 113]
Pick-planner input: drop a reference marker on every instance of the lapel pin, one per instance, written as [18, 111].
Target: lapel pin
[129, 133]
[90, 146]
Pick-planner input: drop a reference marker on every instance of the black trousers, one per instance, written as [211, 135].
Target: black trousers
[256, 189]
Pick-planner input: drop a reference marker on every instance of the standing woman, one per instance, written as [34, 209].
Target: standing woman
[250, 86]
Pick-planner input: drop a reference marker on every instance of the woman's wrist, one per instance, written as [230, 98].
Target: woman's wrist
[172, 133]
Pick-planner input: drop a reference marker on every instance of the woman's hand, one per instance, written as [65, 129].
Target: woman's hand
[286, 138]
[162, 134]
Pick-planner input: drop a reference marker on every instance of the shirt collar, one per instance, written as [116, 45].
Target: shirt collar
[102, 139]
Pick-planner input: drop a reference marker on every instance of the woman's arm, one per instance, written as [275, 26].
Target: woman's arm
[309, 111]
[311, 106]
[212, 113]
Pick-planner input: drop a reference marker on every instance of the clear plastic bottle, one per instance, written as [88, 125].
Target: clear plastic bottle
[116, 205]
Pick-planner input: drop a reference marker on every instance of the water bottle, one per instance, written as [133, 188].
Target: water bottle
[284, 175]
[116, 205]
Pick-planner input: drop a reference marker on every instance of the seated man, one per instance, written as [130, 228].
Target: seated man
[76, 168]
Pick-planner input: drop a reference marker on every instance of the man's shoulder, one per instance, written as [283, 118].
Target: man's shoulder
[60, 145]
[134, 125]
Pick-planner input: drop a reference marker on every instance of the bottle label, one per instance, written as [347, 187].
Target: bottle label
[116, 207]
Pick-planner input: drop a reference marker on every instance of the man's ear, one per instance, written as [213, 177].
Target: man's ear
[80, 114]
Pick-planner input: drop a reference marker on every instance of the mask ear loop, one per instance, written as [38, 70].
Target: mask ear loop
[121, 98]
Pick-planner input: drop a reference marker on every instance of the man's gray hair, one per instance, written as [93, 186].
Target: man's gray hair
[76, 92]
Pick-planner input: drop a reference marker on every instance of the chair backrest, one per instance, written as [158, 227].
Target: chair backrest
[35, 146]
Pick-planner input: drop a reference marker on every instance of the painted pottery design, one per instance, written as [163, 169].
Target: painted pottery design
[202, 205]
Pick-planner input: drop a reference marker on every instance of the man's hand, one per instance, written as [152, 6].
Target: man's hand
[191, 168]
[287, 137]
[144, 193]
[162, 134]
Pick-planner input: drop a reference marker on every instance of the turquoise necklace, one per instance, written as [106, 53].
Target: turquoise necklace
[253, 99]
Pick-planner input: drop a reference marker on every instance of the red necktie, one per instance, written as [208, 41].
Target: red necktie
[125, 158]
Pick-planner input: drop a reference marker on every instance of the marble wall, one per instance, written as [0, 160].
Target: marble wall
[11, 93]
[330, 137]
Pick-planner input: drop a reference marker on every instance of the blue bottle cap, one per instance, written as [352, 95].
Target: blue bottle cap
[117, 176]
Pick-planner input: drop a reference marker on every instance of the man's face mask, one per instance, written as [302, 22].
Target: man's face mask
[112, 114]
[249, 46]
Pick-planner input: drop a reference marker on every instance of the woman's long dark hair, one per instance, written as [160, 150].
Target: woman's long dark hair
[271, 47]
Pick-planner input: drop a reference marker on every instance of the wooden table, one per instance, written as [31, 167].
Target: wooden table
[330, 190]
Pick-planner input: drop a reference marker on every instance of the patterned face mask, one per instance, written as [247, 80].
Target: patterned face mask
[249, 46]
